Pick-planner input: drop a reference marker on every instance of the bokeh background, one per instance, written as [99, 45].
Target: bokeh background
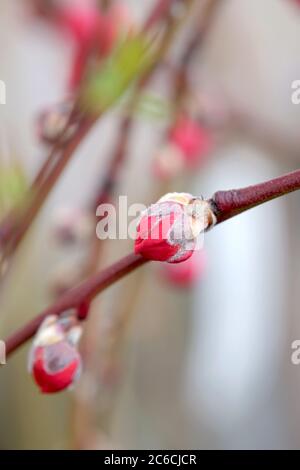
[206, 367]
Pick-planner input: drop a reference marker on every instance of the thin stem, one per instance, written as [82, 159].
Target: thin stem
[161, 8]
[20, 228]
[76, 297]
[12, 233]
[84, 411]
[227, 204]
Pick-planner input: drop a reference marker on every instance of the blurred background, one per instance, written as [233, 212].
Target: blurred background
[196, 359]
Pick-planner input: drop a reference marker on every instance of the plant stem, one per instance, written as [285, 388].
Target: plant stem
[75, 297]
[227, 204]
[161, 8]
[14, 228]
[17, 230]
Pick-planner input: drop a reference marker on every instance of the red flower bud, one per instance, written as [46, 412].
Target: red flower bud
[54, 360]
[168, 230]
[187, 273]
[80, 21]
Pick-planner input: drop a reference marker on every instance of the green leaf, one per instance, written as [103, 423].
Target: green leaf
[107, 82]
[13, 186]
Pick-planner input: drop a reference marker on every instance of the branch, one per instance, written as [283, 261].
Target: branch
[15, 226]
[159, 11]
[76, 297]
[13, 234]
[227, 204]
[224, 204]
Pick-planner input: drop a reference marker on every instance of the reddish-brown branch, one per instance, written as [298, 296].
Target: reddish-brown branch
[75, 297]
[160, 10]
[227, 204]
[15, 232]
[13, 229]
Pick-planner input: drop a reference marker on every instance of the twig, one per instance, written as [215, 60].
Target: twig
[17, 230]
[225, 204]
[160, 10]
[76, 297]
[12, 233]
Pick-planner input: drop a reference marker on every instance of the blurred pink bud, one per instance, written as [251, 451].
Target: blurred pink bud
[97, 33]
[79, 20]
[187, 147]
[54, 360]
[192, 139]
[187, 273]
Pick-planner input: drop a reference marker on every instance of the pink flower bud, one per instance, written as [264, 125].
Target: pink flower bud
[80, 21]
[168, 230]
[187, 273]
[193, 140]
[54, 360]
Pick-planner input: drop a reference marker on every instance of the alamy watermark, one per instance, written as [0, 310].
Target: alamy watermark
[295, 97]
[295, 356]
[2, 92]
[2, 353]
[120, 222]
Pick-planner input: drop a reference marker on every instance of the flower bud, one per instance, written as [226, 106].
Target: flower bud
[79, 21]
[54, 360]
[52, 123]
[188, 273]
[193, 140]
[168, 230]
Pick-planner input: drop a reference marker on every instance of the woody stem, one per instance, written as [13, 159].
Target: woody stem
[227, 204]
